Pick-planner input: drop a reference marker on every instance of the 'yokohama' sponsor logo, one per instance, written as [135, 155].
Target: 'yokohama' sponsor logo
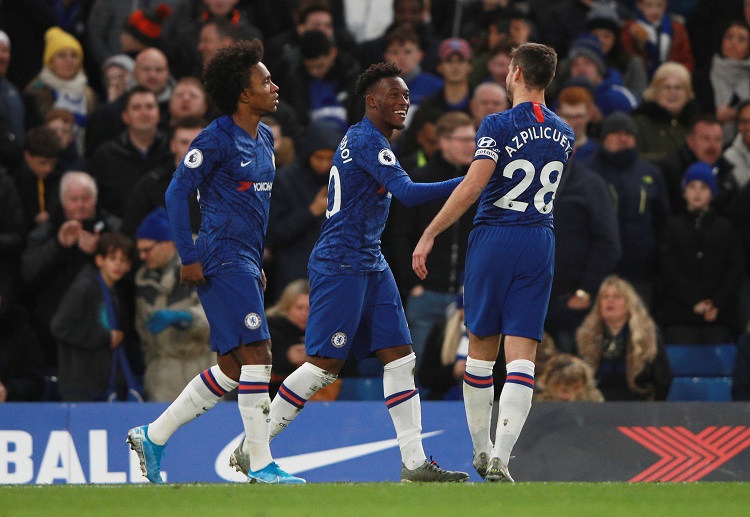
[686, 456]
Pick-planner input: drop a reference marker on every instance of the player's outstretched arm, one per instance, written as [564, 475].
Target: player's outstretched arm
[465, 195]
[413, 194]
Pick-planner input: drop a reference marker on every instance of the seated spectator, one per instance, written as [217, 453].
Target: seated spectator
[738, 153]
[741, 371]
[701, 266]
[21, 359]
[62, 82]
[488, 98]
[188, 100]
[723, 85]
[567, 378]
[640, 197]
[62, 123]
[623, 345]
[575, 105]
[88, 322]
[666, 113]
[657, 36]
[119, 163]
[38, 178]
[703, 143]
[57, 249]
[169, 317]
[117, 76]
[491, 65]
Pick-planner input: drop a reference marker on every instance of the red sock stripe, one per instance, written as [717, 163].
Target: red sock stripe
[253, 387]
[398, 398]
[520, 378]
[210, 381]
[291, 397]
[478, 382]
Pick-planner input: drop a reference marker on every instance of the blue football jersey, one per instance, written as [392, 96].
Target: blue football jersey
[233, 174]
[530, 146]
[358, 203]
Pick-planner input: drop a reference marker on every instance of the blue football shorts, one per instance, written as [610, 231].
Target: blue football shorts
[357, 313]
[508, 280]
[233, 303]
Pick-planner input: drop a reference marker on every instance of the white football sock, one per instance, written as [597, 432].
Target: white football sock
[479, 394]
[294, 392]
[255, 407]
[201, 394]
[515, 403]
[402, 399]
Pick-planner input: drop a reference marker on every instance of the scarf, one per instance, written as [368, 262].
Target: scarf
[730, 81]
[68, 95]
[659, 41]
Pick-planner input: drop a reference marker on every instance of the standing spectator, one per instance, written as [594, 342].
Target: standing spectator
[300, 200]
[119, 163]
[575, 105]
[701, 266]
[12, 110]
[88, 322]
[148, 192]
[721, 87]
[666, 113]
[144, 29]
[488, 98]
[703, 143]
[215, 34]
[38, 178]
[640, 197]
[62, 82]
[657, 36]
[621, 342]
[738, 153]
[13, 231]
[59, 248]
[117, 76]
[707, 22]
[169, 318]
[62, 122]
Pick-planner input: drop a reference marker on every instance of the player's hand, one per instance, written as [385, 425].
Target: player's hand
[419, 257]
[192, 275]
[263, 279]
[87, 242]
[67, 235]
[319, 205]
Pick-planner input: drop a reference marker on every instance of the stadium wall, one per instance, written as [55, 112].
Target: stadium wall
[354, 441]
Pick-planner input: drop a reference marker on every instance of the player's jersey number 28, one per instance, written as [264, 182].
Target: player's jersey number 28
[510, 201]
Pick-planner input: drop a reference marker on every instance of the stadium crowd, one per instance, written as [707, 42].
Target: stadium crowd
[100, 99]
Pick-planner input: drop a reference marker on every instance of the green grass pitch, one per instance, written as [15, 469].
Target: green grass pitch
[379, 499]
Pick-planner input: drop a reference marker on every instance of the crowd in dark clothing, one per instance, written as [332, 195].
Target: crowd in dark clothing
[619, 210]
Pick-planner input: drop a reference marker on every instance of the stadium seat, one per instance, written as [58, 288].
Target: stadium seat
[715, 360]
[713, 389]
[361, 388]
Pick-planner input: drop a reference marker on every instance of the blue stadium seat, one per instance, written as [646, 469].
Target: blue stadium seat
[713, 389]
[715, 360]
[361, 388]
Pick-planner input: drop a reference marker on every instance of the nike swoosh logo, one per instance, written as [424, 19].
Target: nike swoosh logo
[242, 164]
[310, 461]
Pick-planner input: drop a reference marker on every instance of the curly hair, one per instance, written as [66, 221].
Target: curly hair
[568, 370]
[373, 74]
[227, 74]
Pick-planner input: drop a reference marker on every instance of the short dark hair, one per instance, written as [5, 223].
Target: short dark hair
[538, 63]
[313, 44]
[135, 90]
[373, 74]
[189, 122]
[225, 27]
[450, 121]
[43, 141]
[227, 74]
[401, 35]
[111, 242]
[307, 7]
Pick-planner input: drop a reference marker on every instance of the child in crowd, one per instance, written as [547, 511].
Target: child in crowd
[566, 378]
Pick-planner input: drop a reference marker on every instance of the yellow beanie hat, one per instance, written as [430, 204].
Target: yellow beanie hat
[55, 40]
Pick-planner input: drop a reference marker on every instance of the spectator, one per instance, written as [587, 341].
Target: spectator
[12, 109]
[117, 76]
[38, 179]
[587, 249]
[59, 248]
[703, 143]
[575, 105]
[586, 60]
[666, 113]
[143, 29]
[62, 82]
[26, 23]
[87, 324]
[169, 317]
[488, 98]
[623, 345]
[188, 100]
[12, 235]
[419, 144]
[215, 34]
[21, 359]
[657, 37]
[738, 153]
[491, 65]
[62, 122]
[638, 191]
[283, 145]
[567, 378]
[604, 23]
[701, 266]
[148, 192]
[706, 25]
[300, 200]
[724, 84]
[119, 163]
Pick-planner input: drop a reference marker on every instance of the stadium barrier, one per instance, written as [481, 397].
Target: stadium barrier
[354, 441]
